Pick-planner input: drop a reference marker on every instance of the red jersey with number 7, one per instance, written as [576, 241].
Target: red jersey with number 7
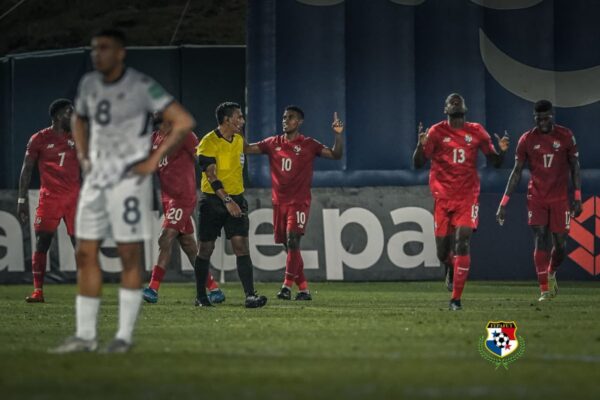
[548, 157]
[453, 155]
[57, 162]
[291, 167]
[177, 171]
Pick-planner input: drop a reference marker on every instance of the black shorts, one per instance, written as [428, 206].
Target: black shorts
[213, 216]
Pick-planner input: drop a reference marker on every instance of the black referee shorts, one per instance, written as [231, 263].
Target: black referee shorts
[213, 216]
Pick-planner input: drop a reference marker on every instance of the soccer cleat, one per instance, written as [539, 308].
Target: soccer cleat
[303, 296]
[449, 278]
[74, 344]
[203, 302]
[455, 305]
[255, 301]
[545, 296]
[216, 296]
[117, 346]
[284, 294]
[150, 295]
[552, 284]
[36, 297]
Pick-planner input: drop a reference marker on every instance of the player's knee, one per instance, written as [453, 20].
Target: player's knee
[293, 241]
[463, 245]
[205, 250]
[442, 254]
[240, 247]
[165, 241]
[188, 245]
[43, 241]
[84, 257]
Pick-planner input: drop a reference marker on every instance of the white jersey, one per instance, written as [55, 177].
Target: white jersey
[120, 122]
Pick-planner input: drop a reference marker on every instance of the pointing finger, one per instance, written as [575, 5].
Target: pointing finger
[335, 116]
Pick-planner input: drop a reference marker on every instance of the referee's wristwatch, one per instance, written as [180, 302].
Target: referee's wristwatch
[227, 199]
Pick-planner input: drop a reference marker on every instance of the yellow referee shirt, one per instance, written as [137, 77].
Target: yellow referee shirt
[229, 156]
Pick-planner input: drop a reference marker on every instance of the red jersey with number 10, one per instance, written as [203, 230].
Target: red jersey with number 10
[57, 162]
[177, 171]
[453, 155]
[291, 167]
[548, 157]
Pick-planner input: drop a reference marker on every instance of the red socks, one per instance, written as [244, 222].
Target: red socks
[553, 262]
[541, 261]
[294, 270]
[461, 272]
[158, 274]
[38, 269]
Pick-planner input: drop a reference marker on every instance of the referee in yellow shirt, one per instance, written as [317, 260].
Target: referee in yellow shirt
[222, 204]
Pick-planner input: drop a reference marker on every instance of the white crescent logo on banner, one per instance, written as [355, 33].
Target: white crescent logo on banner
[564, 88]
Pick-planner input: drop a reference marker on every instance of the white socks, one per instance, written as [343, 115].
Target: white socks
[86, 315]
[130, 301]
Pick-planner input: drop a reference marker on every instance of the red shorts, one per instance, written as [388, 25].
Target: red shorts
[178, 217]
[555, 214]
[289, 218]
[449, 214]
[51, 209]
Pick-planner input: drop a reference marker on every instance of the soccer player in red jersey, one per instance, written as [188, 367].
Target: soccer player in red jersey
[54, 151]
[291, 157]
[452, 146]
[177, 175]
[551, 153]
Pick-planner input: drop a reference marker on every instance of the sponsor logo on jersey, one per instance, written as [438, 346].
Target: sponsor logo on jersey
[277, 148]
[501, 346]
[50, 146]
[447, 140]
[468, 138]
[537, 146]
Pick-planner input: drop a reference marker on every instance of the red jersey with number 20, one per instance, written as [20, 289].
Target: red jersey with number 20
[57, 162]
[548, 157]
[177, 171]
[453, 155]
[291, 167]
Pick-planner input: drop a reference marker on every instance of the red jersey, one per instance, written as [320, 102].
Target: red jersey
[57, 162]
[453, 155]
[291, 167]
[177, 172]
[548, 157]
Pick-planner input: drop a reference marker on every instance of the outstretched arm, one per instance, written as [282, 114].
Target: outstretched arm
[576, 178]
[496, 158]
[337, 151]
[419, 158]
[513, 182]
[251, 148]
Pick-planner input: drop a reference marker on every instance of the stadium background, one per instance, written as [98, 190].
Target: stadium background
[384, 66]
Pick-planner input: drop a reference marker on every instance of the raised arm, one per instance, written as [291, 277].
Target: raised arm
[419, 158]
[24, 181]
[576, 178]
[496, 158]
[513, 182]
[337, 151]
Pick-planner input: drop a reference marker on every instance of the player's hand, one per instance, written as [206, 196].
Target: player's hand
[576, 209]
[233, 209]
[422, 134]
[503, 142]
[23, 212]
[500, 215]
[337, 125]
[146, 167]
[86, 166]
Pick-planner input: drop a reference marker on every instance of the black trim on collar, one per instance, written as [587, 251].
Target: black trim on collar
[125, 68]
[220, 135]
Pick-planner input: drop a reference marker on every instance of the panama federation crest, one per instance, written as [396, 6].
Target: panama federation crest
[501, 346]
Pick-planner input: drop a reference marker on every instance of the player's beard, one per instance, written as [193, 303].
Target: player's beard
[457, 115]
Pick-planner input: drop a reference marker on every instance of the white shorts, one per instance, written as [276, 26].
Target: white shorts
[121, 212]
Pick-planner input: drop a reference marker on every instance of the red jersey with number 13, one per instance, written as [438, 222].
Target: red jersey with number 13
[291, 167]
[453, 155]
[57, 162]
[177, 171]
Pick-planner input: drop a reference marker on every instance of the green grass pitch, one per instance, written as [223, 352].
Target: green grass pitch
[353, 341]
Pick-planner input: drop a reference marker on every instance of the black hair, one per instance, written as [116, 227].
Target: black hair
[57, 106]
[296, 109]
[115, 34]
[451, 95]
[225, 109]
[542, 106]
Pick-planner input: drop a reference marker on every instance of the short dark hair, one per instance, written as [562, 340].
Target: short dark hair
[296, 109]
[452, 95]
[542, 106]
[115, 34]
[225, 109]
[57, 106]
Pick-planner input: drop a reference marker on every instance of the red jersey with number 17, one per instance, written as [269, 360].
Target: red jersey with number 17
[548, 157]
[453, 155]
[177, 171]
[57, 162]
[291, 167]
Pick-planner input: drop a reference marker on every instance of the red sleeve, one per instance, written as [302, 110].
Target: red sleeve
[521, 152]
[265, 145]
[33, 147]
[486, 145]
[432, 141]
[191, 142]
[317, 147]
[572, 145]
